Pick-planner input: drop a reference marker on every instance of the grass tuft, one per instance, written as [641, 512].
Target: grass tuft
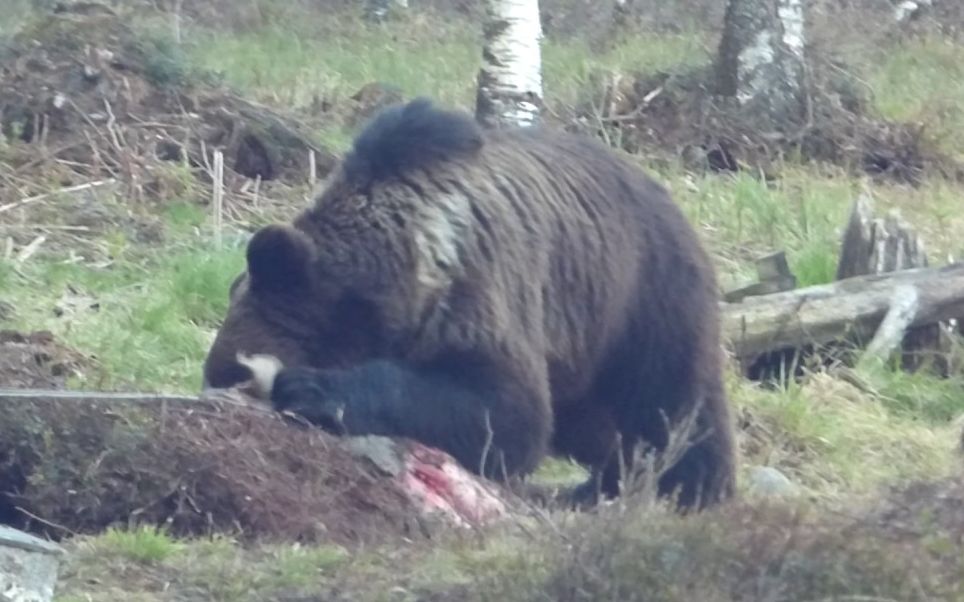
[142, 544]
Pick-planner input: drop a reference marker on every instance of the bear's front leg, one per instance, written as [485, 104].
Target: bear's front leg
[492, 426]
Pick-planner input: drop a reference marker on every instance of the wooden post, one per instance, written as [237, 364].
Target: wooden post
[218, 200]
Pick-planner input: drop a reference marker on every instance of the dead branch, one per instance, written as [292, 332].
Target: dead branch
[894, 326]
[68, 190]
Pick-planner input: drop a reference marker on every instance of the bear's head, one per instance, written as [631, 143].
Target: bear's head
[352, 289]
[267, 310]
[356, 275]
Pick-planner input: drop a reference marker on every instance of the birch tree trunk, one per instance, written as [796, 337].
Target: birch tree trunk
[377, 10]
[761, 57]
[510, 80]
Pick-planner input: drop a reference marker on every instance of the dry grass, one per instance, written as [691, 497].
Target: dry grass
[901, 544]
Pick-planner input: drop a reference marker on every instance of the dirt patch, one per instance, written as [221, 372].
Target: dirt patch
[35, 360]
[69, 466]
[92, 106]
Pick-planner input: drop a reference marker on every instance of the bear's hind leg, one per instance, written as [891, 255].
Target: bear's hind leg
[703, 473]
[587, 433]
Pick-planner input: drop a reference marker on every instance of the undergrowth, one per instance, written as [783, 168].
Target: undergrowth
[898, 546]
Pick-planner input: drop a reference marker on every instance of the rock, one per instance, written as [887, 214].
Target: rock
[767, 481]
[28, 567]
[380, 451]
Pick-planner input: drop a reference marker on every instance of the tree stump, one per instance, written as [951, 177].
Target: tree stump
[774, 276]
[875, 245]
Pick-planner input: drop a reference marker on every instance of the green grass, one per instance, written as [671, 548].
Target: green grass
[922, 81]
[15, 13]
[156, 311]
[922, 398]
[568, 65]
[744, 217]
[291, 67]
[833, 438]
[142, 544]
[142, 563]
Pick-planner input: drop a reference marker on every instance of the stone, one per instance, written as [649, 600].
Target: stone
[28, 567]
[766, 481]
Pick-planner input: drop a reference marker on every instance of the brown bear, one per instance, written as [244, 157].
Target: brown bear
[497, 294]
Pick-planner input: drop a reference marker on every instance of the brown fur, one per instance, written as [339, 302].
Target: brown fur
[563, 269]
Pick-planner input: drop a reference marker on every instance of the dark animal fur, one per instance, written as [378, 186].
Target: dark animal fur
[405, 137]
[529, 279]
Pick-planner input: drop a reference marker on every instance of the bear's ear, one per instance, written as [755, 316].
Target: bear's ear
[278, 259]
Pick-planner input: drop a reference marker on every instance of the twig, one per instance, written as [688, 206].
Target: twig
[40, 197]
[44, 521]
[489, 436]
[45, 227]
[44, 129]
[111, 121]
[28, 251]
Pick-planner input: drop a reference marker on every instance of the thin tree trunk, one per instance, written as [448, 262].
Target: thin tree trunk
[510, 80]
[377, 10]
[761, 57]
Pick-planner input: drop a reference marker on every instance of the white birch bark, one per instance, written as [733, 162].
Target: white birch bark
[761, 57]
[377, 10]
[510, 80]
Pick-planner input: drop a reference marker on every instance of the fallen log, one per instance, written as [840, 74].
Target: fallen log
[845, 308]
